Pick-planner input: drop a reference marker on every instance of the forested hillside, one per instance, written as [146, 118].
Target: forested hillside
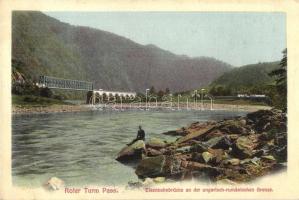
[249, 78]
[42, 45]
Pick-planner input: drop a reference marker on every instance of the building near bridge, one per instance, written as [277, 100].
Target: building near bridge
[96, 96]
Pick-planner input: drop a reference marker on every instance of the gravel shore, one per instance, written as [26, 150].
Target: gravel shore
[49, 109]
[81, 108]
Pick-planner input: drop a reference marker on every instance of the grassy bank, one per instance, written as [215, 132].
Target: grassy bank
[30, 104]
[35, 101]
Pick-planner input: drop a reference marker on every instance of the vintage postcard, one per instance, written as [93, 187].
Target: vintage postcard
[149, 100]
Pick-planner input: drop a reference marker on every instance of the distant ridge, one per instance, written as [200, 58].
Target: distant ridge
[248, 76]
[42, 45]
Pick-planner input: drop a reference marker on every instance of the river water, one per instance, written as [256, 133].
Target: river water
[80, 148]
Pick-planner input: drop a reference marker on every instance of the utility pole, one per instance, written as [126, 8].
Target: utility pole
[195, 99]
[179, 101]
[201, 107]
[146, 98]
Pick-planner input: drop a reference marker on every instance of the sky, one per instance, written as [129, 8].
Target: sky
[238, 38]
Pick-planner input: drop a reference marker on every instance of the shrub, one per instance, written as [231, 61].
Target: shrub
[58, 97]
[30, 99]
[46, 92]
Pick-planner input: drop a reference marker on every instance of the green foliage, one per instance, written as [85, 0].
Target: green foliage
[220, 90]
[30, 100]
[167, 91]
[249, 79]
[262, 78]
[279, 96]
[160, 94]
[152, 91]
[46, 92]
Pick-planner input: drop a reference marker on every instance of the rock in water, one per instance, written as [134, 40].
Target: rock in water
[54, 183]
[132, 152]
[180, 132]
[151, 167]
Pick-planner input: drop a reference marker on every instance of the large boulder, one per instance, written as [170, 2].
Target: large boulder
[179, 132]
[233, 127]
[152, 152]
[151, 167]
[218, 155]
[155, 143]
[183, 149]
[243, 147]
[162, 165]
[207, 156]
[221, 142]
[132, 152]
[199, 147]
[194, 135]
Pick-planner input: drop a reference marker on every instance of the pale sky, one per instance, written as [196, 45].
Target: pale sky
[237, 38]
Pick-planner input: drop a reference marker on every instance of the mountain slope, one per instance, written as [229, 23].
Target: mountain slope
[42, 45]
[247, 76]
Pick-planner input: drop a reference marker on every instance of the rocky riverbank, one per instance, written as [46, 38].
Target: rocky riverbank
[231, 151]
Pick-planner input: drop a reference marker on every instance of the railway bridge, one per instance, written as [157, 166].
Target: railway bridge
[92, 94]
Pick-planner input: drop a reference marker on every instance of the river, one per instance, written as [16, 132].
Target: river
[80, 147]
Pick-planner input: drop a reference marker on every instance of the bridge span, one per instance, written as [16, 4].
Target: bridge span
[61, 83]
[93, 95]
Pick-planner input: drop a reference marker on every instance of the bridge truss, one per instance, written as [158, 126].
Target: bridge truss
[53, 82]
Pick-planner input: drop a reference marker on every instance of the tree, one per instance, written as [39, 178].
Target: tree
[167, 91]
[280, 98]
[160, 94]
[104, 97]
[220, 91]
[152, 91]
[141, 96]
[117, 98]
[46, 92]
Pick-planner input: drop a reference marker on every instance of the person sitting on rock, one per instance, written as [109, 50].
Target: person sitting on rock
[140, 136]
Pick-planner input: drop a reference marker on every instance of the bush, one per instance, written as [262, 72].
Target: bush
[58, 97]
[46, 92]
[25, 89]
[30, 99]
